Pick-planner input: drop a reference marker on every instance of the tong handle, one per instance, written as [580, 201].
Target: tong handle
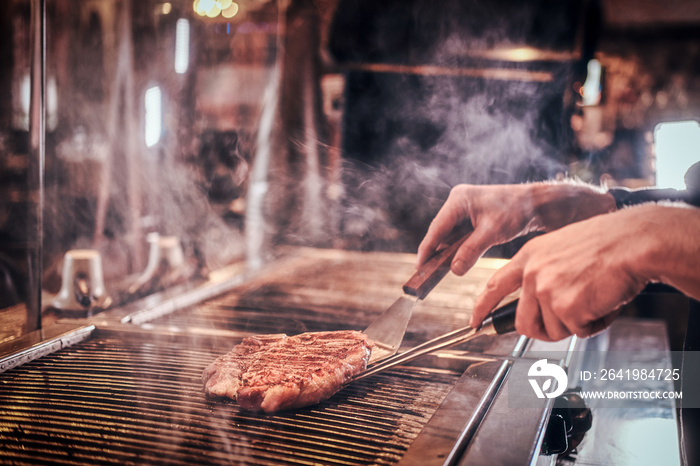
[429, 274]
[503, 318]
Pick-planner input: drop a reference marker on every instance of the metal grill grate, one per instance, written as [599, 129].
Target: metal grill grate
[117, 401]
[334, 290]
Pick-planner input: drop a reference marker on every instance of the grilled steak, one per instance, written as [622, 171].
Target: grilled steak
[275, 372]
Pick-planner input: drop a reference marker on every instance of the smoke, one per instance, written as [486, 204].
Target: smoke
[177, 204]
[437, 132]
[426, 107]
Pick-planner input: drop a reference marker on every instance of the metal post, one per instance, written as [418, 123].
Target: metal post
[37, 125]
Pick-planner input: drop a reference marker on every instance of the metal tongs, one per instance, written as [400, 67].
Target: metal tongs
[499, 322]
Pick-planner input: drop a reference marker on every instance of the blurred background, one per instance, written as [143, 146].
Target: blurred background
[176, 175]
[223, 130]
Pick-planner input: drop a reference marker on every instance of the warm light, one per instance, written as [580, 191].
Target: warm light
[214, 8]
[677, 148]
[182, 45]
[206, 5]
[591, 88]
[51, 103]
[21, 118]
[198, 8]
[517, 54]
[25, 93]
[214, 11]
[167, 8]
[521, 54]
[231, 11]
[152, 104]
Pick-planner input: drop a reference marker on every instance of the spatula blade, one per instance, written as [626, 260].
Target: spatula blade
[388, 330]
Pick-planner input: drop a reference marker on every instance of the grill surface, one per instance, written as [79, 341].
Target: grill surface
[132, 393]
[335, 290]
[118, 401]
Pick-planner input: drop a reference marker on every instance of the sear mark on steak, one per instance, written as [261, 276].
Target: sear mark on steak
[276, 372]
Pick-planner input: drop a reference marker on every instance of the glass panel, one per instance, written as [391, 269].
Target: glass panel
[18, 199]
[152, 111]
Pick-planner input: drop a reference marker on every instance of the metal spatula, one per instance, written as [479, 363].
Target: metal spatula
[388, 330]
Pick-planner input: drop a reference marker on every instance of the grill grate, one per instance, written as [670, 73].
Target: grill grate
[334, 290]
[119, 401]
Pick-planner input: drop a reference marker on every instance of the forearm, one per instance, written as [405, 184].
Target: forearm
[500, 213]
[556, 204]
[671, 252]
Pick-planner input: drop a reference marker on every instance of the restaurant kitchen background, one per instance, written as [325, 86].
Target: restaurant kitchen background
[147, 146]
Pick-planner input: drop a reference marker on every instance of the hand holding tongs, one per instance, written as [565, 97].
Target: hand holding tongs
[499, 322]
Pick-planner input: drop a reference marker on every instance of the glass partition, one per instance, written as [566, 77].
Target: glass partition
[152, 110]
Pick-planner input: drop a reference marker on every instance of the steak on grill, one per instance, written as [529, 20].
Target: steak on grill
[276, 372]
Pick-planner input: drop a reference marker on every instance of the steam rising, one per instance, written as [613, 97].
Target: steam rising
[472, 132]
[406, 140]
[178, 206]
[432, 100]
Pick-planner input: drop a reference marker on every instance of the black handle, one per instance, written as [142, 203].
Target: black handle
[503, 318]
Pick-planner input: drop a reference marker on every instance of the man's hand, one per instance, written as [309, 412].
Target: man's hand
[500, 213]
[574, 280]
